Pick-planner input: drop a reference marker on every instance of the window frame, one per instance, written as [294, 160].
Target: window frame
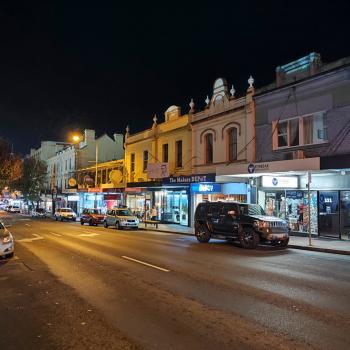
[178, 155]
[230, 156]
[206, 150]
[165, 146]
[132, 162]
[145, 160]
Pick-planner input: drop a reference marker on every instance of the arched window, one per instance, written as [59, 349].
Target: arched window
[208, 144]
[232, 144]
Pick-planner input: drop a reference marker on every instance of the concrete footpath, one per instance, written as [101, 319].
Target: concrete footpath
[325, 245]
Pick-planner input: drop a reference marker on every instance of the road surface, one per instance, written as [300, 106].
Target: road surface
[82, 287]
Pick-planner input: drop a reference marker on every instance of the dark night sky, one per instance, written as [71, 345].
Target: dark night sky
[73, 64]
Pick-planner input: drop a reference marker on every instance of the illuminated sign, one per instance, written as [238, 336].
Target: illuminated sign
[206, 187]
[73, 198]
[280, 181]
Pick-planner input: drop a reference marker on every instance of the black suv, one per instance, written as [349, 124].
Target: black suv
[246, 222]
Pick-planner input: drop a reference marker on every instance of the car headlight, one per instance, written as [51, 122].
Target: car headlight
[6, 239]
[264, 224]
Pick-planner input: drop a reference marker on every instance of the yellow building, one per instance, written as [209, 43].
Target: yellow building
[153, 159]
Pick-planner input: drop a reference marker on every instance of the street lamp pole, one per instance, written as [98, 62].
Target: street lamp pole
[96, 162]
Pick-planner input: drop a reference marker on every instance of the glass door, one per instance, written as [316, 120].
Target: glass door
[328, 209]
[184, 208]
[345, 214]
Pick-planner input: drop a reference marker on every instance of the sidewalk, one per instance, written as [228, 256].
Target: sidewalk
[325, 245]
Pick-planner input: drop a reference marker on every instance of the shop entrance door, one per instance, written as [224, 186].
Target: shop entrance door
[328, 219]
[345, 214]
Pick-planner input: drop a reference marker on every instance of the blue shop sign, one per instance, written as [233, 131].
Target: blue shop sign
[206, 188]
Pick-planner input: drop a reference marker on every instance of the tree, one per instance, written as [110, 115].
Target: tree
[10, 165]
[32, 179]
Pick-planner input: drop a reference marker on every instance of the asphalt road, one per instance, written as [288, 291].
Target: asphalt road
[80, 287]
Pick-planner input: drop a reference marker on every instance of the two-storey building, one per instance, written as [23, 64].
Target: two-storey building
[303, 140]
[153, 158]
[223, 137]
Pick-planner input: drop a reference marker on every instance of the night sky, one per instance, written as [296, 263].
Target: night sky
[69, 65]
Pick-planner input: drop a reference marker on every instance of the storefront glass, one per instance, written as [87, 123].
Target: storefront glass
[172, 206]
[139, 204]
[328, 206]
[345, 214]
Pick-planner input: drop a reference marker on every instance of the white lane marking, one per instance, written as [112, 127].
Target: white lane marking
[55, 234]
[26, 224]
[29, 240]
[89, 234]
[24, 219]
[144, 263]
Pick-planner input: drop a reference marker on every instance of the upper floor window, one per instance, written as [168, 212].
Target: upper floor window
[178, 154]
[208, 144]
[305, 130]
[165, 153]
[145, 160]
[132, 162]
[232, 144]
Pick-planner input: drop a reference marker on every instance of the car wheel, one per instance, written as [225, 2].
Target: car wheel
[248, 238]
[81, 222]
[284, 244]
[10, 255]
[202, 233]
[90, 222]
[105, 225]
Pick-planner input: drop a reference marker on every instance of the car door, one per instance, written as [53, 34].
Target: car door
[229, 222]
[110, 217]
[214, 217]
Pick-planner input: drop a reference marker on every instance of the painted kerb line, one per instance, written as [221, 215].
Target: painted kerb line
[144, 263]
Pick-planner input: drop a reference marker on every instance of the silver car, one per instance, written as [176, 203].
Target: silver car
[7, 245]
[121, 218]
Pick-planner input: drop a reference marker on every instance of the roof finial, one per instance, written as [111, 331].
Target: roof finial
[155, 119]
[192, 105]
[232, 91]
[207, 100]
[250, 82]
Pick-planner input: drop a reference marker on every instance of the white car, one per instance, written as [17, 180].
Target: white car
[65, 214]
[14, 209]
[7, 245]
[121, 218]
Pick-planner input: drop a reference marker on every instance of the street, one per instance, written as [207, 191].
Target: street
[85, 287]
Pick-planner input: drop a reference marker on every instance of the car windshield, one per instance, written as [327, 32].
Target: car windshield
[68, 210]
[123, 212]
[40, 210]
[95, 211]
[251, 209]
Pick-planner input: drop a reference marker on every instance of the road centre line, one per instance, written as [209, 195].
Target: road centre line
[55, 234]
[29, 240]
[88, 234]
[26, 224]
[24, 219]
[144, 263]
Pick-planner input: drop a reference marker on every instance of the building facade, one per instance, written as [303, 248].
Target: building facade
[151, 158]
[303, 141]
[223, 135]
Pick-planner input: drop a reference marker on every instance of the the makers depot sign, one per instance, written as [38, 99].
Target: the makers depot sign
[280, 181]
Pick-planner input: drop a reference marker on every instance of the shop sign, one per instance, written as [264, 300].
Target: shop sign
[280, 181]
[73, 198]
[257, 167]
[206, 188]
[295, 194]
[112, 197]
[72, 183]
[95, 189]
[187, 179]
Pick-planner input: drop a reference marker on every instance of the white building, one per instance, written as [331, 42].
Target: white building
[63, 165]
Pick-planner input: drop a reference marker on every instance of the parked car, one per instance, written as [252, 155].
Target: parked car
[13, 209]
[92, 217]
[245, 222]
[7, 246]
[65, 214]
[39, 213]
[121, 218]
